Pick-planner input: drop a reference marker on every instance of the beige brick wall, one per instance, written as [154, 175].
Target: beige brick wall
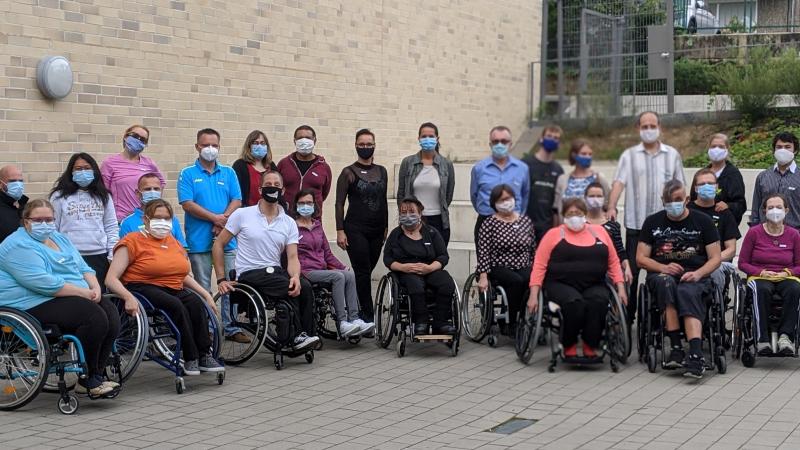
[237, 65]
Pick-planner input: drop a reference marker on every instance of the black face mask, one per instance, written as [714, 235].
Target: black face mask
[271, 194]
[365, 152]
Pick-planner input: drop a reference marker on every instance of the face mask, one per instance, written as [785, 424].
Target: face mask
[575, 223]
[149, 196]
[707, 191]
[15, 189]
[160, 228]
[134, 145]
[649, 136]
[408, 220]
[717, 154]
[505, 206]
[583, 161]
[784, 156]
[595, 202]
[550, 144]
[83, 178]
[428, 144]
[41, 231]
[209, 153]
[499, 150]
[259, 151]
[776, 215]
[674, 209]
[365, 152]
[271, 194]
[305, 210]
[304, 146]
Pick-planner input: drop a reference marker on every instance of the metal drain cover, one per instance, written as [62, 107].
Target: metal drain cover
[512, 425]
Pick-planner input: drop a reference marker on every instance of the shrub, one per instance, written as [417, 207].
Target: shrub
[694, 77]
[754, 87]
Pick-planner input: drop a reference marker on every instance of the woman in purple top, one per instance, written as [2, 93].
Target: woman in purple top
[319, 265]
[121, 172]
[771, 252]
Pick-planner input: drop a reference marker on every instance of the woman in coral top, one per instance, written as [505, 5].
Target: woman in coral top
[154, 264]
[571, 264]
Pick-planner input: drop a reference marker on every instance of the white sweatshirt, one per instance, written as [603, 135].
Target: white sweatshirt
[83, 219]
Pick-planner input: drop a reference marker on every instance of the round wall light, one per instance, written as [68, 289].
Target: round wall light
[54, 77]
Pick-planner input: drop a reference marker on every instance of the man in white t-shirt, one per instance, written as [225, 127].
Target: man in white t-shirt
[263, 233]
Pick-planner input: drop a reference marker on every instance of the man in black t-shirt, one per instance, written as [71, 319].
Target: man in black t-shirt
[680, 249]
[544, 172]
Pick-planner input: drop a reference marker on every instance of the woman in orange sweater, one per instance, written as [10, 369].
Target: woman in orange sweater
[571, 264]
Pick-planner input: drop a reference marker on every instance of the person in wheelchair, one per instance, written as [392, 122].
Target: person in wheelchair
[679, 248]
[263, 232]
[418, 254]
[152, 263]
[770, 256]
[506, 243]
[42, 273]
[571, 266]
[319, 265]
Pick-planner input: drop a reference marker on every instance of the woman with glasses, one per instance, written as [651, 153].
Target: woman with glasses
[121, 172]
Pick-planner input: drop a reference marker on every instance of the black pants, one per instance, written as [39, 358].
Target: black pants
[631, 242]
[583, 312]
[789, 292]
[436, 222]
[275, 285]
[96, 325]
[186, 310]
[443, 287]
[515, 283]
[364, 247]
[98, 263]
[478, 224]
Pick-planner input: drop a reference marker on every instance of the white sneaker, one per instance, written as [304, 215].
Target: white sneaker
[785, 345]
[348, 328]
[303, 340]
[366, 327]
[764, 348]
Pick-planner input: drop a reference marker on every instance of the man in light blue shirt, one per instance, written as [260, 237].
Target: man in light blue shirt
[499, 168]
[148, 188]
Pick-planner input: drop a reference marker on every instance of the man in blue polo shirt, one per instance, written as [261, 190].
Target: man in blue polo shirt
[209, 192]
[500, 168]
[148, 188]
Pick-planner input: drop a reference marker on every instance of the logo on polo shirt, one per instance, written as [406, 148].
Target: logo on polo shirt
[198, 180]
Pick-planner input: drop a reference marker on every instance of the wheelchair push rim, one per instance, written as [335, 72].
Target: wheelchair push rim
[252, 322]
[24, 354]
[476, 309]
[130, 345]
[528, 330]
[384, 311]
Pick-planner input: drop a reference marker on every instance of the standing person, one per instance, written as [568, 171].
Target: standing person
[362, 230]
[782, 178]
[642, 172]
[84, 213]
[209, 193]
[303, 169]
[149, 189]
[12, 200]
[121, 172]
[255, 159]
[574, 185]
[730, 184]
[499, 168]
[544, 172]
[596, 215]
[431, 178]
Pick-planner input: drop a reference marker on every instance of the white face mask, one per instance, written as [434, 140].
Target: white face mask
[160, 228]
[304, 146]
[209, 153]
[650, 136]
[575, 223]
[717, 154]
[594, 202]
[776, 215]
[505, 206]
[784, 156]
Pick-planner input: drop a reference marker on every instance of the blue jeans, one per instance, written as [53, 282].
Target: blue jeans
[201, 267]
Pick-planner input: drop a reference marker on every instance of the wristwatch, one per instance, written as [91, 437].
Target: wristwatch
[220, 280]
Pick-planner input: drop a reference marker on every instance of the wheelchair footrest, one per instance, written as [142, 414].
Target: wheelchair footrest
[582, 360]
[434, 337]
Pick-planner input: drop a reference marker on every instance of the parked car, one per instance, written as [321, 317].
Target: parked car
[696, 18]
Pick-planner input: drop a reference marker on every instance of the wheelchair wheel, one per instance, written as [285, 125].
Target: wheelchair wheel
[642, 321]
[528, 331]
[131, 343]
[477, 309]
[384, 311]
[24, 357]
[456, 306]
[325, 316]
[166, 346]
[248, 313]
[618, 341]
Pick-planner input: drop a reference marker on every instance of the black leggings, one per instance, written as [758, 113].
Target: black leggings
[364, 249]
[275, 285]
[98, 263]
[436, 222]
[789, 292]
[96, 325]
[515, 283]
[583, 312]
[443, 287]
[186, 310]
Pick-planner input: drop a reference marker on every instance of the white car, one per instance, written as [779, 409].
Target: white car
[698, 19]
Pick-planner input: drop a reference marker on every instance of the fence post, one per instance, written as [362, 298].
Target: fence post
[671, 62]
[543, 60]
[560, 47]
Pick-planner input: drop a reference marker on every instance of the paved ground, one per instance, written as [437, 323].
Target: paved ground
[366, 397]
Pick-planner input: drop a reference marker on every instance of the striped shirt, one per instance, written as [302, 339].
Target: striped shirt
[771, 181]
[644, 175]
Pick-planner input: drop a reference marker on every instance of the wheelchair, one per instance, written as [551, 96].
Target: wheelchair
[484, 313]
[31, 352]
[744, 336]
[393, 317]
[255, 316]
[615, 342]
[325, 314]
[651, 337]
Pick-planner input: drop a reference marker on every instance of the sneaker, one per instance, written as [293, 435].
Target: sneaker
[191, 368]
[764, 348]
[92, 386]
[348, 328]
[785, 345]
[365, 327]
[239, 337]
[695, 366]
[588, 352]
[420, 329]
[676, 357]
[303, 340]
[444, 329]
[209, 364]
[571, 351]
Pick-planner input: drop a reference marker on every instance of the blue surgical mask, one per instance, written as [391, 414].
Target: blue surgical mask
[499, 150]
[149, 196]
[83, 178]
[15, 189]
[674, 209]
[305, 210]
[583, 161]
[707, 191]
[550, 144]
[428, 144]
[259, 150]
[41, 231]
[134, 145]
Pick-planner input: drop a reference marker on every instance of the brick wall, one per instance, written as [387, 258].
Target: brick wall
[177, 66]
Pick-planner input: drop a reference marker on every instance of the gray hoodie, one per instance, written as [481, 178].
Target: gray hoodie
[91, 227]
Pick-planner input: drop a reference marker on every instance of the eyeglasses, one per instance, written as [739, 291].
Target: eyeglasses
[47, 220]
[141, 139]
[500, 141]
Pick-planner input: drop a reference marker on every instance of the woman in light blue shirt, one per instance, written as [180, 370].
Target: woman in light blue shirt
[42, 273]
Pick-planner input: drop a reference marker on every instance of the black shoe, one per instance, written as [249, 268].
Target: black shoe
[676, 357]
[695, 366]
[420, 329]
[764, 348]
[444, 329]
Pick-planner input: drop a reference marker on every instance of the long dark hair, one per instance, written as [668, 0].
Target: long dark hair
[65, 187]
